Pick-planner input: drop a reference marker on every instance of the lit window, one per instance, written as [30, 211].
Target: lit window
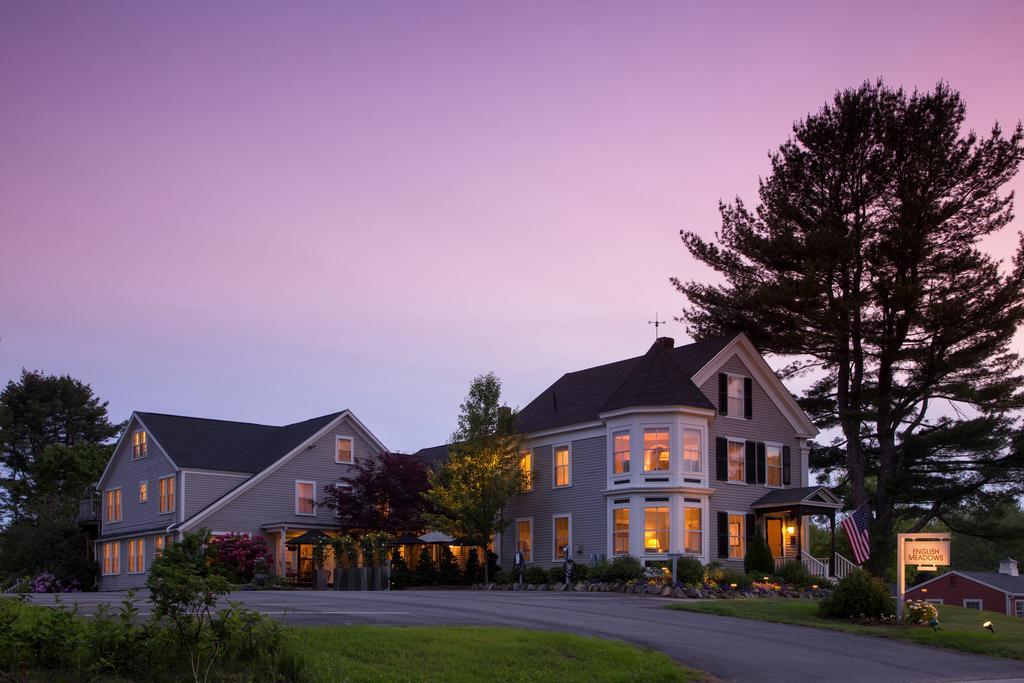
[735, 388]
[524, 539]
[526, 467]
[691, 450]
[773, 461]
[693, 542]
[736, 550]
[620, 535]
[167, 494]
[656, 453]
[161, 542]
[138, 444]
[136, 558]
[656, 530]
[112, 558]
[562, 473]
[343, 455]
[736, 461]
[143, 491]
[562, 539]
[305, 504]
[114, 505]
[620, 452]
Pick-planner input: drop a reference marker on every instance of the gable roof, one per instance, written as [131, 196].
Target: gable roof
[662, 376]
[1013, 585]
[434, 454]
[201, 443]
[810, 496]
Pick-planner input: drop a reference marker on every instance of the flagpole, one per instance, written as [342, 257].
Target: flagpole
[901, 579]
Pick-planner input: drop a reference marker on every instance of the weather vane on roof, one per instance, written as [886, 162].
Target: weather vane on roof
[657, 323]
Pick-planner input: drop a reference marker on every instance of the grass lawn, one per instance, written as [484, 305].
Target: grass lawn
[472, 653]
[961, 628]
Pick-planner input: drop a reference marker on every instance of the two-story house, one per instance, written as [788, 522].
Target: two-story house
[684, 450]
[170, 474]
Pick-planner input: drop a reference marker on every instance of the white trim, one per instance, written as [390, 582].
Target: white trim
[657, 427]
[743, 534]
[181, 508]
[260, 476]
[120, 506]
[139, 541]
[313, 496]
[934, 601]
[528, 451]
[743, 395]
[141, 499]
[782, 472]
[628, 507]
[338, 438]
[145, 441]
[533, 548]
[554, 466]
[981, 603]
[124, 435]
[173, 499]
[690, 410]
[743, 452]
[653, 505]
[765, 377]
[1018, 606]
[554, 538]
[612, 431]
[588, 429]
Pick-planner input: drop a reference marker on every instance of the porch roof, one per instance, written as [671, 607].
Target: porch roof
[809, 498]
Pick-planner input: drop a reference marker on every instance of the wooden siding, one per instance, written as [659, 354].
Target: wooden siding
[584, 500]
[953, 589]
[200, 489]
[124, 580]
[126, 474]
[768, 425]
[272, 500]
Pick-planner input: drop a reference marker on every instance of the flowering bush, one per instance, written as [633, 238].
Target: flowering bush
[920, 612]
[49, 583]
[237, 554]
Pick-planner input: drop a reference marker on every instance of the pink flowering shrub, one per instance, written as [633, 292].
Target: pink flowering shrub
[239, 555]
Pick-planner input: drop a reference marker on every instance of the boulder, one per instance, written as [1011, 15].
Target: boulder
[666, 591]
[580, 587]
[543, 587]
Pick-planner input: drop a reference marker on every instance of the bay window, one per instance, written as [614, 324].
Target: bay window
[691, 450]
[620, 531]
[656, 530]
[693, 540]
[656, 449]
[620, 452]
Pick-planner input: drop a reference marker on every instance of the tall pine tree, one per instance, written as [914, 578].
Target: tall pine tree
[862, 262]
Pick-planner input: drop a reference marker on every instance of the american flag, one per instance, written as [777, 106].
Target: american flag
[856, 527]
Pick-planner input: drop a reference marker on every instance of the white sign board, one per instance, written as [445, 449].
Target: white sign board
[932, 553]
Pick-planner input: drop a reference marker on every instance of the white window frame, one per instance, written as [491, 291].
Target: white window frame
[740, 414]
[111, 564]
[682, 528]
[110, 518]
[554, 466]
[528, 484]
[629, 461]
[643, 446]
[934, 601]
[980, 601]
[1018, 607]
[533, 549]
[629, 529]
[170, 498]
[743, 461]
[743, 534]
[137, 452]
[144, 498]
[137, 555]
[700, 449]
[667, 506]
[782, 478]
[554, 538]
[351, 450]
[313, 497]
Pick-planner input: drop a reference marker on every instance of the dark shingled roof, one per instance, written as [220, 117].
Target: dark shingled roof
[196, 442]
[787, 496]
[434, 454]
[1004, 582]
[660, 377]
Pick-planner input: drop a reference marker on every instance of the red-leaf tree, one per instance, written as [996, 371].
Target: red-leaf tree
[239, 553]
[381, 494]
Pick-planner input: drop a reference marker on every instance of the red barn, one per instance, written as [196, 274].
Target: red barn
[1001, 591]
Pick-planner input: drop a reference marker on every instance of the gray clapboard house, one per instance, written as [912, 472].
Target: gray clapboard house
[170, 474]
[684, 450]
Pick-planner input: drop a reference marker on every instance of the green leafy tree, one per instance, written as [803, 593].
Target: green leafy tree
[468, 492]
[51, 432]
[862, 262]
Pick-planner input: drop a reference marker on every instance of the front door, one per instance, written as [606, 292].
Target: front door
[773, 527]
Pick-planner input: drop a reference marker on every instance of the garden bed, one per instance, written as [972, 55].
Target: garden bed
[677, 590]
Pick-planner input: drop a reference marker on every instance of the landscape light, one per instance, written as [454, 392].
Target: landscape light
[988, 626]
[814, 586]
[924, 590]
[765, 578]
[732, 586]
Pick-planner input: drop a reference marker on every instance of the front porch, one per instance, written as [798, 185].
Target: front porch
[781, 515]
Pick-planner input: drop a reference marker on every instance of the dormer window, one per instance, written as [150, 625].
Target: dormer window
[343, 451]
[138, 444]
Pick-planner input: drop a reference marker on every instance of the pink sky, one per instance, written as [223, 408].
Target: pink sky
[269, 212]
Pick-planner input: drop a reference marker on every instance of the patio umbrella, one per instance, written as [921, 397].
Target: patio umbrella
[308, 538]
[435, 537]
[407, 539]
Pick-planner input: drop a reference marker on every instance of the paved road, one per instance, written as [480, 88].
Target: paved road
[731, 649]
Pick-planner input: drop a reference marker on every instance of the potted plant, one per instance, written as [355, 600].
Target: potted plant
[320, 547]
[260, 571]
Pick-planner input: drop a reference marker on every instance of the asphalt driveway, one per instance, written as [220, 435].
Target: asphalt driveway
[731, 649]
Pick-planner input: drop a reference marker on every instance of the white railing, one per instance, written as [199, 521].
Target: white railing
[843, 567]
[813, 566]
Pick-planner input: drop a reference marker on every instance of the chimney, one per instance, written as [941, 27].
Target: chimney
[1008, 566]
[667, 343]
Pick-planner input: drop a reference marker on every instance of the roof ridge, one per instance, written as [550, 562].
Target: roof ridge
[239, 422]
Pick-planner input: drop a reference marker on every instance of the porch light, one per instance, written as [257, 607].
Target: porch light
[988, 626]
[790, 529]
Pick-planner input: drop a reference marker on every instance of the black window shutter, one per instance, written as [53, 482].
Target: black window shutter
[762, 464]
[723, 534]
[748, 398]
[721, 459]
[751, 462]
[723, 394]
[785, 465]
[751, 525]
